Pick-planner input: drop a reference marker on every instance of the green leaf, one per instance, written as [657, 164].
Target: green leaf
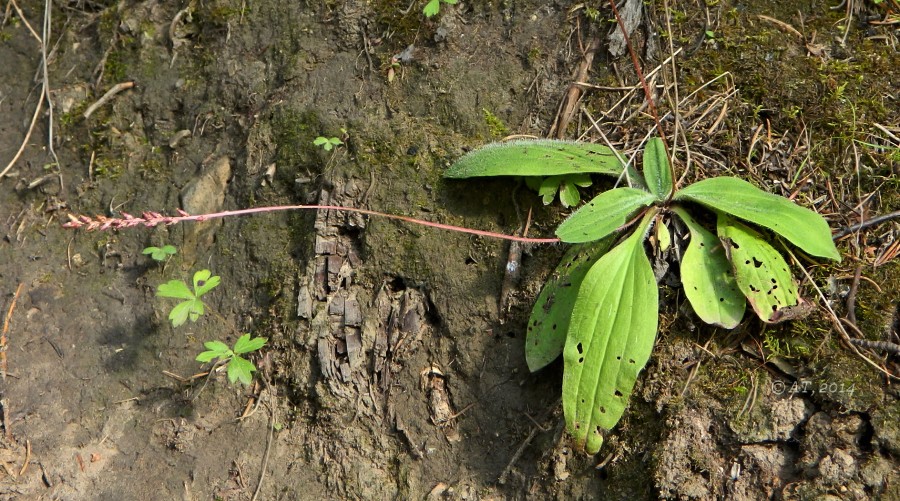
[568, 194]
[761, 273]
[245, 344]
[800, 226]
[197, 309]
[549, 321]
[206, 356]
[548, 189]
[612, 332]
[204, 282]
[432, 8]
[544, 157]
[218, 347]
[240, 369]
[320, 141]
[603, 215]
[656, 169]
[708, 278]
[175, 289]
[169, 249]
[180, 312]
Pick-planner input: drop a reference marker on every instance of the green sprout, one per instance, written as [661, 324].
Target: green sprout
[566, 185]
[160, 254]
[239, 368]
[434, 6]
[327, 143]
[192, 307]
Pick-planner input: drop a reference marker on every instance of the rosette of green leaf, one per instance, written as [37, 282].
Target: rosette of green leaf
[800, 226]
[603, 215]
[657, 170]
[708, 278]
[567, 186]
[540, 157]
[761, 272]
[192, 307]
[610, 338]
[239, 368]
[549, 321]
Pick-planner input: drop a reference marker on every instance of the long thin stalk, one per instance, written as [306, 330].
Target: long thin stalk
[151, 219]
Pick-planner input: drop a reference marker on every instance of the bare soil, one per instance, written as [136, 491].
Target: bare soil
[395, 366]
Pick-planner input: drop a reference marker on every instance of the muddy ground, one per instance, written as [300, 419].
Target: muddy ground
[392, 371]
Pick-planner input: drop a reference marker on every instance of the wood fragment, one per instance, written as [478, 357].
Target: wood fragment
[111, 93]
[3, 346]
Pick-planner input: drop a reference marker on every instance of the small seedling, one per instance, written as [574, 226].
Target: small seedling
[239, 368]
[327, 143]
[192, 307]
[566, 186]
[160, 254]
[434, 6]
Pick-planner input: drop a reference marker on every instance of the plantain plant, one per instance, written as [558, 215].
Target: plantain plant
[599, 309]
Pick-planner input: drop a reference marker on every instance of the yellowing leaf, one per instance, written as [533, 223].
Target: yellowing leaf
[761, 272]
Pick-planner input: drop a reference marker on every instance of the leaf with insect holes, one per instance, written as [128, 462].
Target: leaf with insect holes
[240, 369]
[204, 282]
[800, 226]
[245, 344]
[549, 321]
[656, 169]
[708, 278]
[611, 335]
[543, 157]
[760, 271]
[603, 215]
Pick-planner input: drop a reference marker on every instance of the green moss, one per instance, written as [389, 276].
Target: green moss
[294, 133]
[496, 126]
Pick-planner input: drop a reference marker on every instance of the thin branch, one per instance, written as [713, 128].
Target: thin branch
[865, 224]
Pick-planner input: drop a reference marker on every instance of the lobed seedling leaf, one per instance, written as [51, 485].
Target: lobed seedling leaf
[603, 215]
[240, 369]
[708, 278]
[215, 349]
[800, 226]
[174, 289]
[611, 335]
[160, 253]
[245, 344]
[761, 272]
[552, 312]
